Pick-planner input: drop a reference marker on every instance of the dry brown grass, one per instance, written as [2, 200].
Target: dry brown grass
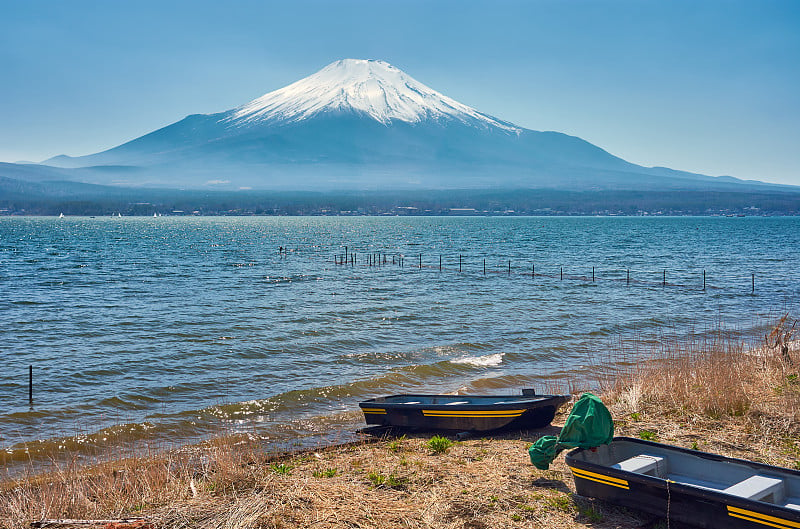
[718, 391]
[713, 394]
[385, 483]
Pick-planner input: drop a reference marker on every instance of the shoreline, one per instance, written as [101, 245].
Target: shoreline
[484, 482]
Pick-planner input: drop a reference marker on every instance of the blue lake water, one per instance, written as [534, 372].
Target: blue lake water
[175, 328]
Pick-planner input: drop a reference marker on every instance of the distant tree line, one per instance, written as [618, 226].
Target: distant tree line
[453, 202]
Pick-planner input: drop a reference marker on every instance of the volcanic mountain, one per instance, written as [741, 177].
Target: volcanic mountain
[364, 124]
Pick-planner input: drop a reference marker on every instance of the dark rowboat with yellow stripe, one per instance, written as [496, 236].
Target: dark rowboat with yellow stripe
[462, 412]
[702, 489]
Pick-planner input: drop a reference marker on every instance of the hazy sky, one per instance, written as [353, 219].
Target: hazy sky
[705, 86]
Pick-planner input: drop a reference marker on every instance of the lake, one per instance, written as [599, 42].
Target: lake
[172, 329]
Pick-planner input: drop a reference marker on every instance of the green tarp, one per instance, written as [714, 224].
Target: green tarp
[589, 424]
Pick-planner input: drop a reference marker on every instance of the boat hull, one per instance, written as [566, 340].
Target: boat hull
[462, 413]
[702, 503]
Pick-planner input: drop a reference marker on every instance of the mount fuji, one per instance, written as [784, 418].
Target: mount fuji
[365, 125]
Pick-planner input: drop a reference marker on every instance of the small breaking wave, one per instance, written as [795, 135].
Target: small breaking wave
[494, 359]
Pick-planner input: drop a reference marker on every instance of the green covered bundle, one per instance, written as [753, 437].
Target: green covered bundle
[589, 424]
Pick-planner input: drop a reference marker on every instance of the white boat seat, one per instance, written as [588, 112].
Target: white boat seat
[757, 488]
[643, 464]
[793, 503]
[457, 402]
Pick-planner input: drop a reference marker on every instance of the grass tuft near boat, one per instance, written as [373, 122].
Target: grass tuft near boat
[463, 412]
[698, 488]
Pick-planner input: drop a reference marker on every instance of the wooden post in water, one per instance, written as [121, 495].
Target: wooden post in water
[459, 263]
[592, 274]
[484, 267]
[664, 282]
[628, 280]
[562, 273]
[420, 261]
[30, 384]
[753, 276]
[533, 270]
[704, 279]
[440, 262]
[509, 267]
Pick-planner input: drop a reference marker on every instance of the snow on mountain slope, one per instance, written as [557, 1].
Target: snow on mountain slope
[374, 88]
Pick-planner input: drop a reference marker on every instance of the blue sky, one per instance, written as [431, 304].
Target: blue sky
[705, 86]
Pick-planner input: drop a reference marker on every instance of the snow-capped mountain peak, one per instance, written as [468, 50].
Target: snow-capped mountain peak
[368, 87]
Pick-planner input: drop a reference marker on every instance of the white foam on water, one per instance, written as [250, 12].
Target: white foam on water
[494, 359]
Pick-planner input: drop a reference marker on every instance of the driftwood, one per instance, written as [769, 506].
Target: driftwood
[120, 523]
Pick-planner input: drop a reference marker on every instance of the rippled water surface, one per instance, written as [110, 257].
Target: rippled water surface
[172, 328]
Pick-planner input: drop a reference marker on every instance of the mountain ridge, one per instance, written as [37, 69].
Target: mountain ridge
[365, 124]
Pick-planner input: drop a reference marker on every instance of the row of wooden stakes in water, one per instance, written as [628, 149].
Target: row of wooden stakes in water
[382, 259]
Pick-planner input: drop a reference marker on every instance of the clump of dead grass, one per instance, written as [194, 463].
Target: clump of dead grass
[128, 486]
[713, 376]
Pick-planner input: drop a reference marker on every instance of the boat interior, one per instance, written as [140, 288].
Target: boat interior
[726, 476]
[455, 400]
